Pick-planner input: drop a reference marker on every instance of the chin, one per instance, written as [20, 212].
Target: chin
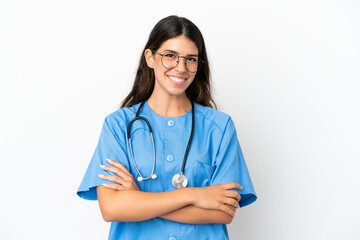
[176, 93]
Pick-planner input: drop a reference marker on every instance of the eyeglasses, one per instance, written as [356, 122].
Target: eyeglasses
[171, 59]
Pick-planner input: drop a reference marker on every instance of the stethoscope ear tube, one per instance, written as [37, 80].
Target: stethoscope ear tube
[136, 118]
[133, 120]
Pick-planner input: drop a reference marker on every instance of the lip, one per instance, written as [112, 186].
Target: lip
[177, 80]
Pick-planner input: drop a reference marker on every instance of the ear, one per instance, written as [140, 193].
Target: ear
[149, 57]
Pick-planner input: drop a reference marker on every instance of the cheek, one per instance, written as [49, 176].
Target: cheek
[159, 70]
[192, 79]
[160, 76]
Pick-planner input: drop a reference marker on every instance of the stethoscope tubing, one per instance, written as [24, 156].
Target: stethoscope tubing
[153, 167]
[137, 117]
[190, 138]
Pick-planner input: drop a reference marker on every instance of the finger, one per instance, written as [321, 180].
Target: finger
[116, 170]
[227, 209]
[231, 201]
[119, 165]
[231, 185]
[233, 194]
[112, 178]
[113, 186]
[231, 207]
[122, 183]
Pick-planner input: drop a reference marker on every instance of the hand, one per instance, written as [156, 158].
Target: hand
[218, 197]
[124, 179]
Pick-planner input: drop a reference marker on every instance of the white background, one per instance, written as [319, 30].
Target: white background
[286, 71]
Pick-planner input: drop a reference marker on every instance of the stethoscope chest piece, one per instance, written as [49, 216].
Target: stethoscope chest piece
[179, 180]
[153, 176]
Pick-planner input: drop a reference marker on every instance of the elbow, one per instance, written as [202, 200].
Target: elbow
[107, 218]
[105, 198]
[106, 215]
[223, 218]
[228, 219]
[113, 210]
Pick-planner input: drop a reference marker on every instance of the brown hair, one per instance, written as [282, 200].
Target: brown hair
[199, 90]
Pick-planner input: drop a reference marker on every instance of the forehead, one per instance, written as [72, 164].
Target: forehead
[180, 44]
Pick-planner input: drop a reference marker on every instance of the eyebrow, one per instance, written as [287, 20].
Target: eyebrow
[172, 51]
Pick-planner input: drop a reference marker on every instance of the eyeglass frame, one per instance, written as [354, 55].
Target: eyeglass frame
[200, 61]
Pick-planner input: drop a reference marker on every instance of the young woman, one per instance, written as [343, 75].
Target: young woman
[167, 164]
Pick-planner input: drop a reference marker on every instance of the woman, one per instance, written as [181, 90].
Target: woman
[188, 181]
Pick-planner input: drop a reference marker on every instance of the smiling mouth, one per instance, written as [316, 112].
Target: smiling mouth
[176, 79]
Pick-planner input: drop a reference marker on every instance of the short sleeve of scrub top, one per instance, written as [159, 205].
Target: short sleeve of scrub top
[110, 145]
[231, 166]
[215, 157]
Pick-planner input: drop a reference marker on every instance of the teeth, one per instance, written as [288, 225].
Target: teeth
[177, 79]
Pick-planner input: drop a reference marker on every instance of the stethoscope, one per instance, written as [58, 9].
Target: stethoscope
[179, 180]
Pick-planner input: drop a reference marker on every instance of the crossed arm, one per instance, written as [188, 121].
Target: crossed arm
[195, 215]
[125, 202]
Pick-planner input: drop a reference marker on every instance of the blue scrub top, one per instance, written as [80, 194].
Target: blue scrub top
[214, 157]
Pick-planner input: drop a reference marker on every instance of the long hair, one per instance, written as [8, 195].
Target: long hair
[199, 90]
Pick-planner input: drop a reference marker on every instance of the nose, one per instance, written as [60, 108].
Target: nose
[181, 66]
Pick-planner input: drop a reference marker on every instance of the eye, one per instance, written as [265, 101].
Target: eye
[169, 55]
[192, 59]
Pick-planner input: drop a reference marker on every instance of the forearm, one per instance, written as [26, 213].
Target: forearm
[195, 215]
[132, 205]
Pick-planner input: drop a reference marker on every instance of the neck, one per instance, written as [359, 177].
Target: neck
[170, 106]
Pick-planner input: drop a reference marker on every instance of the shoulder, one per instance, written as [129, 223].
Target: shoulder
[118, 120]
[213, 116]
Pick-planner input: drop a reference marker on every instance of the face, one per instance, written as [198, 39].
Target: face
[172, 82]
